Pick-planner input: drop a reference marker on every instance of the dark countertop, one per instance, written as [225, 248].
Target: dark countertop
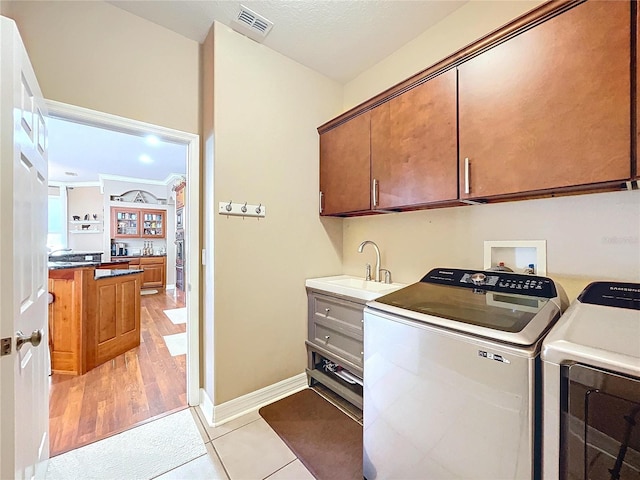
[75, 256]
[61, 265]
[104, 273]
[114, 257]
[76, 252]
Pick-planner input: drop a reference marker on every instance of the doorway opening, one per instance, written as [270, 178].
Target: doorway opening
[161, 376]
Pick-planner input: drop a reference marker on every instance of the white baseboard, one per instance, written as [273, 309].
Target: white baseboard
[170, 286]
[206, 406]
[218, 414]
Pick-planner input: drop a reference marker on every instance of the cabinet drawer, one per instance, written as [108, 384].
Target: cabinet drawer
[152, 261]
[335, 309]
[343, 345]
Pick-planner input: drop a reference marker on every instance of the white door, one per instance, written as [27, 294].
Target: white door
[24, 397]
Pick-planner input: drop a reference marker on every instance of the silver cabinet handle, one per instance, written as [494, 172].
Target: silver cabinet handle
[467, 189]
[374, 192]
[34, 339]
[321, 199]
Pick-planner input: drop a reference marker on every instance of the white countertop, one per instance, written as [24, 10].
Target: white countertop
[356, 287]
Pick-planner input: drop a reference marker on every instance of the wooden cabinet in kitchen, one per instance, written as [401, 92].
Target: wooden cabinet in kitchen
[335, 344]
[153, 270]
[125, 222]
[92, 318]
[414, 156]
[550, 107]
[345, 165]
[180, 192]
[137, 223]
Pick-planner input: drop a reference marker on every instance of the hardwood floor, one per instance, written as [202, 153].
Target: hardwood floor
[135, 387]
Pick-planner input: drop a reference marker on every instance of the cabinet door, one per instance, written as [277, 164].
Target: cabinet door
[180, 196]
[117, 321]
[125, 222]
[414, 151]
[549, 108]
[153, 223]
[345, 167]
[153, 274]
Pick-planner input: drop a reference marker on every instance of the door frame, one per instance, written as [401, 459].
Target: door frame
[192, 202]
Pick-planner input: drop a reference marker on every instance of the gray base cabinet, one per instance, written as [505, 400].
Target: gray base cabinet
[335, 344]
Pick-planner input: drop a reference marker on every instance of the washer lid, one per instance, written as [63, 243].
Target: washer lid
[494, 310]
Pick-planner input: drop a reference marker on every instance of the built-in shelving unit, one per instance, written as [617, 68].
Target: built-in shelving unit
[85, 226]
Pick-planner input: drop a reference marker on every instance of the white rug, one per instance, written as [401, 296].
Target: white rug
[177, 315]
[143, 452]
[177, 344]
[148, 292]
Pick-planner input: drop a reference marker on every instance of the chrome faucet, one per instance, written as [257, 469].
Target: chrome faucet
[361, 248]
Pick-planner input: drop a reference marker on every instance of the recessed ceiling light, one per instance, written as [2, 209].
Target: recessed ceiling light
[144, 158]
[153, 140]
[71, 174]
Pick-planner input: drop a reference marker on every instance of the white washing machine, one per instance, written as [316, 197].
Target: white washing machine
[591, 377]
[452, 376]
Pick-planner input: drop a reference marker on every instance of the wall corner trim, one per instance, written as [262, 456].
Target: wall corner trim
[227, 411]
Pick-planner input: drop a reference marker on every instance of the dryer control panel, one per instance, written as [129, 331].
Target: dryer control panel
[612, 294]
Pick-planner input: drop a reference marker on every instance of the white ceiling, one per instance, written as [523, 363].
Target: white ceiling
[338, 38]
[88, 151]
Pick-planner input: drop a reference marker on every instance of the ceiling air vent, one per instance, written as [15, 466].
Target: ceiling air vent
[251, 24]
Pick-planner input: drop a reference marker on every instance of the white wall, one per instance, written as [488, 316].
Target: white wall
[589, 237]
[95, 55]
[83, 201]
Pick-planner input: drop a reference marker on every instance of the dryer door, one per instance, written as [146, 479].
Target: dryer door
[601, 425]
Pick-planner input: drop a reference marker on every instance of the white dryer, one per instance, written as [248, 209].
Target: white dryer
[591, 377]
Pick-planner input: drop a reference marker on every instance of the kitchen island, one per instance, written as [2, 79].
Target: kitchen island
[94, 315]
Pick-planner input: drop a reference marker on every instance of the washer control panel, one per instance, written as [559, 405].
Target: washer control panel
[500, 282]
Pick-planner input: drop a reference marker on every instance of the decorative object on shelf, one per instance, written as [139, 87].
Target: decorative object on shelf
[86, 217]
[85, 227]
[95, 216]
[139, 196]
[76, 218]
[242, 209]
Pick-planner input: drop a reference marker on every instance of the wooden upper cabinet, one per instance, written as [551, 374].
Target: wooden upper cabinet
[549, 108]
[637, 104]
[413, 145]
[136, 223]
[345, 167]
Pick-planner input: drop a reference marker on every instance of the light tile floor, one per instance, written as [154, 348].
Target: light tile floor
[246, 448]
